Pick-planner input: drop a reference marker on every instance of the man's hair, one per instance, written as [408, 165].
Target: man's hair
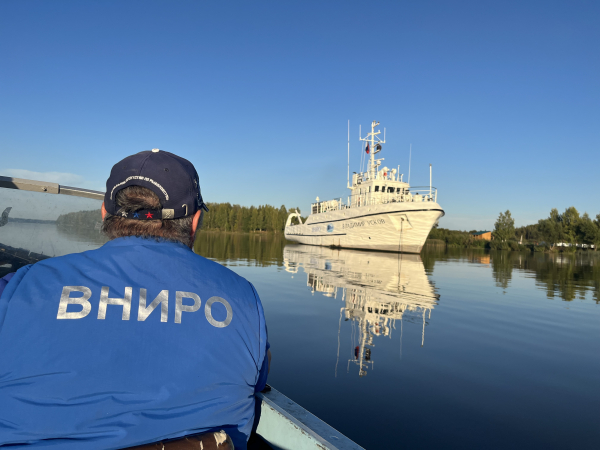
[135, 198]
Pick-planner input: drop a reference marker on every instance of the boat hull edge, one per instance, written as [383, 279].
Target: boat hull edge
[402, 231]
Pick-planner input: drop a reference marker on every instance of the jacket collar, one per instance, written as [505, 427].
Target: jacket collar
[143, 241]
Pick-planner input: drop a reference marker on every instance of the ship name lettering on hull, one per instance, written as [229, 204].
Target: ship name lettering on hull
[362, 223]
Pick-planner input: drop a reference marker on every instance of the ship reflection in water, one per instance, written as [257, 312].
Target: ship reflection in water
[378, 290]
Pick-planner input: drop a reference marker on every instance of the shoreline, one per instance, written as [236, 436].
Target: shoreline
[512, 246]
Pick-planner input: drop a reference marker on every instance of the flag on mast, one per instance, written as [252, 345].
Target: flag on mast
[367, 150]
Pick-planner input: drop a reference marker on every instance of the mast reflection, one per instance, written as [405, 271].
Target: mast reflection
[378, 289]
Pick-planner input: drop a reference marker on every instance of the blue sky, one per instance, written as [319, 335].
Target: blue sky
[503, 98]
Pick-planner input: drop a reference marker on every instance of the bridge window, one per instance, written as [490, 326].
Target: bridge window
[376, 188]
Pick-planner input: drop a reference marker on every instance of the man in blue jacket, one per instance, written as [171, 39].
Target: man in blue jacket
[138, 343]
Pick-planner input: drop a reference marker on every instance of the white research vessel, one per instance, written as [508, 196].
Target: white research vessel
[382, 213]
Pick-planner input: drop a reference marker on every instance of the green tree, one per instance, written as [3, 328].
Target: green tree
[253, 219]
[550, 231]
[239, 219]
[504, 228]
[587, 231]
[231, 219]
[282, 216]
[570, 221]
[261, 218]
[567, 227]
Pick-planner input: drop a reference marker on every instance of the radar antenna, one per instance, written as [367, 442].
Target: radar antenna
[375, 142]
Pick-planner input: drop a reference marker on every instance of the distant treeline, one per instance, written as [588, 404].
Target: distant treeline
[228, 217]
[80, 219]
[19, 220]
[456, 238]
[221, 217]
[567, 228]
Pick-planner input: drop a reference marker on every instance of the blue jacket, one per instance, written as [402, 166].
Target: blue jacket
[135, 342]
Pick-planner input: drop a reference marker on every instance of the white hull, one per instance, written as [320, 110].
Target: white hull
[397, 227]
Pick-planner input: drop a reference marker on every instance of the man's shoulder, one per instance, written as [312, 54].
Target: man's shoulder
[210, 266]
[151, 257]
[224, 275]
[14, 277]
[214, 266]
[172, 256]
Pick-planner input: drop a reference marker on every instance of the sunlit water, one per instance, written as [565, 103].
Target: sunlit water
[449, 349]
[49, 240]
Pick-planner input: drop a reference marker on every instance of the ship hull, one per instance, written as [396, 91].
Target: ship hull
[395, 227]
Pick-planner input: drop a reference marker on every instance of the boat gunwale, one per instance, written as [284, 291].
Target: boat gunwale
[310, 427]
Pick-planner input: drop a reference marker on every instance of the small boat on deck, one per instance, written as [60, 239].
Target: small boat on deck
[31, 218]
[383, 211]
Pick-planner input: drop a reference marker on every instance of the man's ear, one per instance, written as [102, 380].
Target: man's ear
[103, 210]
[195, 220]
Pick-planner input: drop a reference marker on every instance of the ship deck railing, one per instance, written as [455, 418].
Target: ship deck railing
[415, 194]
[380, 175]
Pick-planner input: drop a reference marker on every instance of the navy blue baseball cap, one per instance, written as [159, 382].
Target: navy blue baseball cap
[172, 178]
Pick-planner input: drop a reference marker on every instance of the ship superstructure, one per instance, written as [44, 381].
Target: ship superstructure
[382, 212]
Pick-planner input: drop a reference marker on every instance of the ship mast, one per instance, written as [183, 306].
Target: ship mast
[374, 141]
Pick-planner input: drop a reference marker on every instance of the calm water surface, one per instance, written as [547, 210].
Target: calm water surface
[452, 348]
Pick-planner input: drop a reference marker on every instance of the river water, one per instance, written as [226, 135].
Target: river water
[447, 349]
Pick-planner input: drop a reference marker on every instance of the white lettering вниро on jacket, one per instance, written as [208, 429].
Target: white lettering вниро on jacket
[144, 310]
